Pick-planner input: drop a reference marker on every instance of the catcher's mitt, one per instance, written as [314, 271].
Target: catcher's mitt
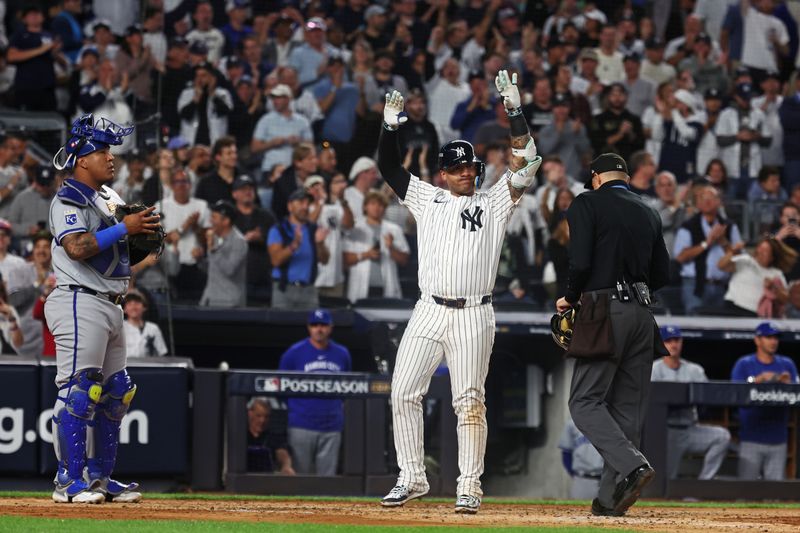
[142, 244]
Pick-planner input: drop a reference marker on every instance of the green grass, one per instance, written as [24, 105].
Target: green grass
[55, 525]
[490, 500]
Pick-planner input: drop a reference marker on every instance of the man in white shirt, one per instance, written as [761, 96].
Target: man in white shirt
[742, 130]
[610, 68]
[445, 92]
[654, 68]
[372, 251]
[363, 177]
[14, 271]
[205, 31]
[769, 102]
[143, 338]
[765, 38]
[153, 36]
[185, 219]
[336, 217]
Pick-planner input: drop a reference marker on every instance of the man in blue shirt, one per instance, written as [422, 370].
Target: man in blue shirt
[315, 425]
[763, 434]
[278, 131]
[295, 247]
[338, 100]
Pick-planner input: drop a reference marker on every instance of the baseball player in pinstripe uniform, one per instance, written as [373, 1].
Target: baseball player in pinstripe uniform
[92, 266]
[460, 235]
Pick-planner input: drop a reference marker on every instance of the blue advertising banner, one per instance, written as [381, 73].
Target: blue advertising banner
[154, 436]
[19, 408]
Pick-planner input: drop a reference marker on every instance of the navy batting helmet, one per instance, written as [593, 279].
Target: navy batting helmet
[460, 152]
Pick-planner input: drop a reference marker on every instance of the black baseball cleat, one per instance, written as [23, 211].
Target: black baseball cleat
[400, 494]
[629, 489]
[599, 510]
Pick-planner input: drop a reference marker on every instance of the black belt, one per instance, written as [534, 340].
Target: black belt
[626, 292]
[114, 298]
[587, 476]
[459, 303]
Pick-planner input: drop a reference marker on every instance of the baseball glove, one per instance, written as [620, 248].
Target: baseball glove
[142, 244]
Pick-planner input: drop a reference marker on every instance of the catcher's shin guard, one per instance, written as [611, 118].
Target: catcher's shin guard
[83, 393]
[114, 403]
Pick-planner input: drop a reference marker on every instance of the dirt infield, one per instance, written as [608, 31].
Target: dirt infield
[417, 513]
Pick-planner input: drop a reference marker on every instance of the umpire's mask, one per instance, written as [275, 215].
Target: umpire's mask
[561, 326]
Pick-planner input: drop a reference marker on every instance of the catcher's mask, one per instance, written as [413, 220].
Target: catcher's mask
[561, 326]
[460, 153]
[86, 136]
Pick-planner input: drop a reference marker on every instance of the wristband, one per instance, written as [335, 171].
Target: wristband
[518, 124]
[704, 245]
[107, 237]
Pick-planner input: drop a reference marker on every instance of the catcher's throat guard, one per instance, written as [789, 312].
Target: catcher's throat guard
[89, 135]
[562, 325]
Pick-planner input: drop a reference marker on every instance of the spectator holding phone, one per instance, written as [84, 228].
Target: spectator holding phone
[787, 230]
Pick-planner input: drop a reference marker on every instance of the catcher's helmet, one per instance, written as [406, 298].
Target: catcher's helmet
[561, 326]
[89, 135]
[460, 152]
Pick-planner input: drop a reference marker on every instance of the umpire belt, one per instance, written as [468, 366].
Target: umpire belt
[625, 294]
[114, 298]
[461, 303]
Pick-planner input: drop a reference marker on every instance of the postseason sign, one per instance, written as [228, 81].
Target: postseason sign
[341, 385]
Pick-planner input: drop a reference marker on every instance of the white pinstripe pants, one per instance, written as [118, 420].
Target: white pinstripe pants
[465, 338]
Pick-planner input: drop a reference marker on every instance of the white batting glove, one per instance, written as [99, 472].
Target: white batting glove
[393, 114]
[507, 87]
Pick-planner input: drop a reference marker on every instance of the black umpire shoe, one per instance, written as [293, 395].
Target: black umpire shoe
[599, 510]
[629, 489]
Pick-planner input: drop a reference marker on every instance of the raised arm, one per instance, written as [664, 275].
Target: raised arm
[524, 160]
[389, 159]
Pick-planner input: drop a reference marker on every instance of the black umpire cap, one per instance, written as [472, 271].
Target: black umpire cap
[608, 162]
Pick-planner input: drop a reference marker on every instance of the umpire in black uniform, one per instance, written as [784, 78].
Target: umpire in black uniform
[616, 249]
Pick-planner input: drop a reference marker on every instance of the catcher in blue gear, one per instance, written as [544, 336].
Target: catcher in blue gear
[92, 264]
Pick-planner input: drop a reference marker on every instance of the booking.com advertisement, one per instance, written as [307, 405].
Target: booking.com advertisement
[154, 436]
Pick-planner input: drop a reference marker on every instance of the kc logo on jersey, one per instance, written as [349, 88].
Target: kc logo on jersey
[70, 217]
[473, 219]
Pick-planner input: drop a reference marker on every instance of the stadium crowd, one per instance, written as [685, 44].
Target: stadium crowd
[257, 124]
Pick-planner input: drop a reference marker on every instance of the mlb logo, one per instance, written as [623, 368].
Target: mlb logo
[71, 217]
[268, 384]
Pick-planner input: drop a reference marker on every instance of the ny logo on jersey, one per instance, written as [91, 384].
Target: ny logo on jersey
[474, 218]
[460, 152]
